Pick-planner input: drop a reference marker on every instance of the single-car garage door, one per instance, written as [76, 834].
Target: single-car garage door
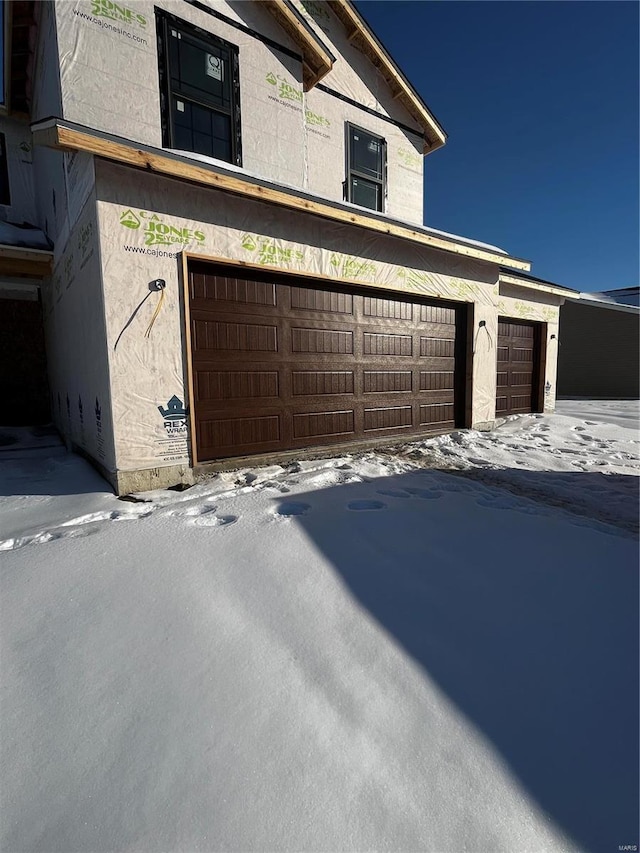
[280, 363]
[518, 367]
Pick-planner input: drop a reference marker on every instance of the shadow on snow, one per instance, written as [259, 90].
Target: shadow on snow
[524, 615]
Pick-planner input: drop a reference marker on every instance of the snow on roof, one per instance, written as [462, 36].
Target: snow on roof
[604, 301]
[620, 295]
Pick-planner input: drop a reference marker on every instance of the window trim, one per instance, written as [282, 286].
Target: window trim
[166, 21]
[350, 171]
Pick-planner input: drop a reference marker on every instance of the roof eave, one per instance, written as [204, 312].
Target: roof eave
[64, 136]
[539, 285]
[317, 59]
[360, 34]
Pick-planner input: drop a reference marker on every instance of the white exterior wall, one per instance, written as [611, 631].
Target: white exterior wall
[109, 74]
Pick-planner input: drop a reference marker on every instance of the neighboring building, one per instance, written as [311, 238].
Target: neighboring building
[599, 355]
[621, 296]
[233, 194]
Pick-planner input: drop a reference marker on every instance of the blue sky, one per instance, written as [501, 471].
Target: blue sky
[540, 102]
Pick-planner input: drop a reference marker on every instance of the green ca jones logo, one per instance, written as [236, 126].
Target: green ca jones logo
[268, 252]
[157, 232]
[116, 12]
[287, 92]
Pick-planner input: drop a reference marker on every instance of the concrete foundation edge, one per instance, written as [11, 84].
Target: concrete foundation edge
[148, 479]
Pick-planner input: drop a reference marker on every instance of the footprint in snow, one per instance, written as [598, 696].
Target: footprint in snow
[191, 512]
[113, 515]
[210, 520]
[46, 536]
[292, 508]
[425, 494]
[514, 505]
[270, 484]
[394, 493]
[360, 506]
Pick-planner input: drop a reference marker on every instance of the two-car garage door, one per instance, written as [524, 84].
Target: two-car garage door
[280, 363]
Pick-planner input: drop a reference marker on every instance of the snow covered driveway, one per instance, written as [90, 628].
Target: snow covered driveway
[348, 654]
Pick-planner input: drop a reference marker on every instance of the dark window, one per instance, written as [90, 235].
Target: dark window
[199, 90]
[5, 195]
[366, 167]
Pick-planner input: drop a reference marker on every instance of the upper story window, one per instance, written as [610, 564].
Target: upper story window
[200, 91]
[366, 168]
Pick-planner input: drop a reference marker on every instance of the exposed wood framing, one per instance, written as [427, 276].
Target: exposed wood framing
[15, 260]
[361, 37]
[316, 59]
[64, 138]
[556, 290]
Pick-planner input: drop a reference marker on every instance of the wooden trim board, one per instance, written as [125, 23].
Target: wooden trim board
[65, 138]
[15, 260]
[184, 259]
[533, 285]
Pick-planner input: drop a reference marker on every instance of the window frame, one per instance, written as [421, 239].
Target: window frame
[164, 23]
[352, 172]
[5, 186]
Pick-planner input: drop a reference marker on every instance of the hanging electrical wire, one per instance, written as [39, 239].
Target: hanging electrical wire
[158, 285]
[155, 314]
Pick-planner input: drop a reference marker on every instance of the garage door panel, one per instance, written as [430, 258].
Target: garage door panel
[384, 418]
[384, 343]
[306, 365]
[437, 414]
[236, 384]
[313, 300]
[437, 314]
[247, 431]
[323, 424]
[434, 347]
[314, 383]
[320, 341]
[437, 380]
[228, 289]
[520, 355]
[386, 309]
[387, 381]
[242, 337]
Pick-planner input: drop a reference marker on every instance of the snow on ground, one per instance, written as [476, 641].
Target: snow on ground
[345, 654]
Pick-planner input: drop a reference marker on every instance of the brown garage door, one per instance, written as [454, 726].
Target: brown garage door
[283, 363]
[518, 367]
